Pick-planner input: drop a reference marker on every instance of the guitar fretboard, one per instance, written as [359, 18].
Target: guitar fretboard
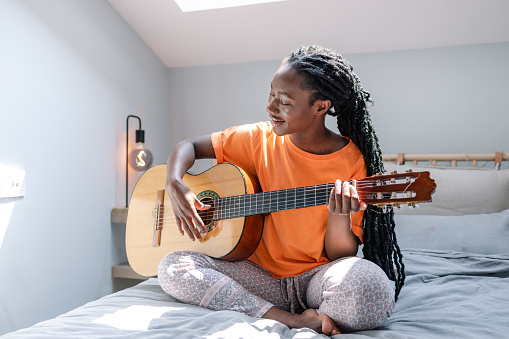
[273, 201]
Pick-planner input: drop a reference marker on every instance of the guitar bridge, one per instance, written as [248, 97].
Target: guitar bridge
[158, 216]
[155, 216]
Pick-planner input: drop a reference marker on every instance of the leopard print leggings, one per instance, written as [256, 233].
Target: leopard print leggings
[354, 292]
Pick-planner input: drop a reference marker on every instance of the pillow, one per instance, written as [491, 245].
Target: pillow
[461, 190]
[481, 233]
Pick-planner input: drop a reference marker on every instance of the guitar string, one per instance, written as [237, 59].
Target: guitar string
[233, 205]
[231, 209]
[161, 221]
[274, 201]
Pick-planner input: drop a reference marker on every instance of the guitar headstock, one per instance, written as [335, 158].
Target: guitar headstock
[396, 189]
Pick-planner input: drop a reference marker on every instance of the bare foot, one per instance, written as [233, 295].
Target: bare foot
[321, 323]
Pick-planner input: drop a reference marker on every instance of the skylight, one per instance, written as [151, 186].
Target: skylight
[202, 5]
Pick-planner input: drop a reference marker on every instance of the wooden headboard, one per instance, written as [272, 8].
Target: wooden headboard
[452, 158]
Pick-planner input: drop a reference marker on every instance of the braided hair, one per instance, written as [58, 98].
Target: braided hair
[330, 77]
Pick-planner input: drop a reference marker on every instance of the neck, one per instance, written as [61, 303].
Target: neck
[324, 142]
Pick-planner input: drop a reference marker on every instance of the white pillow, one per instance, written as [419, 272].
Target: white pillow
[461, 190]
[480, 233]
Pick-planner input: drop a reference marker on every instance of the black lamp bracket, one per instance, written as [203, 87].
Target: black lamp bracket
[140, 137]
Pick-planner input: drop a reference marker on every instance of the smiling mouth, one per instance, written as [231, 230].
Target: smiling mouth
[275, 120]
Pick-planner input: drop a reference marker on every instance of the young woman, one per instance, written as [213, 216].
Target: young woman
[304, 272]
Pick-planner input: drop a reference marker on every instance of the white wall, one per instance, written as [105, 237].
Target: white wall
[426, 101]
[70, 73]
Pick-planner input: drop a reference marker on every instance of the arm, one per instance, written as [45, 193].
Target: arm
[339, 239]
[183, 201]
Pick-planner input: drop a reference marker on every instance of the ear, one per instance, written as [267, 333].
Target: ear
[322, 106]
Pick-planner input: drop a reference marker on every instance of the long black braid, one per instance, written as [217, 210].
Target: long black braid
[330, 77]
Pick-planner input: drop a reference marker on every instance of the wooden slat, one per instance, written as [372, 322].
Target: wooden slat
[450, 157]
[126, 272]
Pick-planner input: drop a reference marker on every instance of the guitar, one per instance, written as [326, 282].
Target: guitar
[235, 219]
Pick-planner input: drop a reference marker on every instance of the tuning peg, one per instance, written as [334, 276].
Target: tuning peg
[395, 172]
[413, 205]
[409, 170]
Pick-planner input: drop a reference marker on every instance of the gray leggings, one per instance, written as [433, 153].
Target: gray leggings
[354, 292]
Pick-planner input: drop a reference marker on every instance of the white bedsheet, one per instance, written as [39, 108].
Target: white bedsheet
[446, 295]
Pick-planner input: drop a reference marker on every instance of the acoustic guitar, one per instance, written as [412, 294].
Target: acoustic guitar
[235, 219]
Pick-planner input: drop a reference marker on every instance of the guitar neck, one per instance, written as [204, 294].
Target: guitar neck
[390, 189]
[273, 201]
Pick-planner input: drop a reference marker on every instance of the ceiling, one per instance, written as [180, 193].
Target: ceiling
[270, 31]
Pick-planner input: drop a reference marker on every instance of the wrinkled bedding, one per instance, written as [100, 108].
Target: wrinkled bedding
[451, 295]
[446, 295]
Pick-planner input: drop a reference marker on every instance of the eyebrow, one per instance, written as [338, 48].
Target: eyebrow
[282, 93]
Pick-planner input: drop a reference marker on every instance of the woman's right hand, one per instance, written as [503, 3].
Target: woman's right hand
[183, 201]
[185, 206]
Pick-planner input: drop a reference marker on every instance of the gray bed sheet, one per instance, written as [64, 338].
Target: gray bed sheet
[446, 295]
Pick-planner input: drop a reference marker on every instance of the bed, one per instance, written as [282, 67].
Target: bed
[455, 252]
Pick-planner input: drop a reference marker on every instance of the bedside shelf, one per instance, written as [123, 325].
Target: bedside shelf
[125, 271]
[119, 215]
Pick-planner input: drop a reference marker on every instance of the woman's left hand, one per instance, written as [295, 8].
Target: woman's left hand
[344, 199]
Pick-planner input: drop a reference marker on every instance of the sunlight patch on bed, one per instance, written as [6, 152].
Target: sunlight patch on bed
[136, 317]
[268, 328]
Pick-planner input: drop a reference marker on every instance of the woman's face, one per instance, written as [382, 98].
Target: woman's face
[289, 108]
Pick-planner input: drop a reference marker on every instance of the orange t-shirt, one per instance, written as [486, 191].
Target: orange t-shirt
[292, 240]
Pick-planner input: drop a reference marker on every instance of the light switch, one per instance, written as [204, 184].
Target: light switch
[12, 184]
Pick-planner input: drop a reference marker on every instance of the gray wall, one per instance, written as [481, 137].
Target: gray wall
[70, 73]
[426, 101]
[439, 100]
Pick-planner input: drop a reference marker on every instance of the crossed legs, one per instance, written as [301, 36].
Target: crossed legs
[354, 293]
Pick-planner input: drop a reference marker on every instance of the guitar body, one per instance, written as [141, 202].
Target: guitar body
[235, 219]
[232, 239]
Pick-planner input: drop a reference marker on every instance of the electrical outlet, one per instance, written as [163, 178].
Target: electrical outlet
[12, 185]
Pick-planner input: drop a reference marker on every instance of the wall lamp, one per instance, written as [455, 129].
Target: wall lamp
[140, 157]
